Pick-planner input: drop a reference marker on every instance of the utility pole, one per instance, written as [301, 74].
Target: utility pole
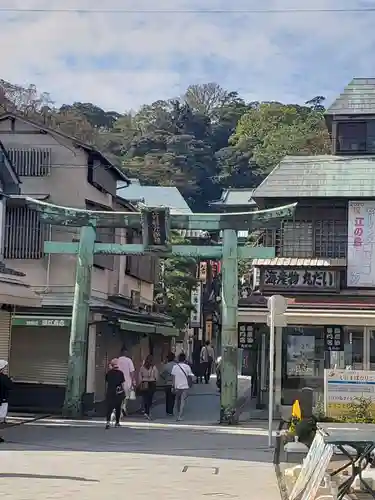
[155, 223]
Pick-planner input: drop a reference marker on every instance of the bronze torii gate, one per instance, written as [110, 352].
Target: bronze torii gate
[156, 224]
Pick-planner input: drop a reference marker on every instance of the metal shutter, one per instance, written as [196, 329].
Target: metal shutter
[5, 327]
[39, 355]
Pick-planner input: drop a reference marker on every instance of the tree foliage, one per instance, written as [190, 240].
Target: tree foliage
[207, 140]
[178, 277]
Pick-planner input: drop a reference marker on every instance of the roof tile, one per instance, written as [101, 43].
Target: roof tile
[358, 97]
[320, 176]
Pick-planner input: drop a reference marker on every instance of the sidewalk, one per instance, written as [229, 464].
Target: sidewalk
[54, 459]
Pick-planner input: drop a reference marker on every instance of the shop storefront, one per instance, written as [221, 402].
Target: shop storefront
[316, 339]
[38, 361]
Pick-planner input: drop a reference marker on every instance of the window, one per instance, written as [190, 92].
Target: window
[356, 137]
[297, 239]
[24, 233]
[331, 238]
[31, 162]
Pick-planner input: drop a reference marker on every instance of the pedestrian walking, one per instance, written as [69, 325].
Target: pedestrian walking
[166, 376]
[126, 365]
[6, 385]
[182, 381]
[148, 375]
[207, 358]
[115, 392]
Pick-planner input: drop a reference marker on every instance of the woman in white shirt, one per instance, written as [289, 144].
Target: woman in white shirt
[182, 381]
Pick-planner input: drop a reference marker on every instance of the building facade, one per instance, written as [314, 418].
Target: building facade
[62, 170]
[14, 288]
[324, 259]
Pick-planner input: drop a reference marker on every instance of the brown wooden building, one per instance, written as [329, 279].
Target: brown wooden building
[325, 257]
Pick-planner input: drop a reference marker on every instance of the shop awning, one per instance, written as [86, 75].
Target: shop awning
[133, 326]
[18, 294]
[322, 317]
[167, 331]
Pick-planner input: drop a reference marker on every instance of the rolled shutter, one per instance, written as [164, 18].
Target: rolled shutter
[5, 328]
[39, 355]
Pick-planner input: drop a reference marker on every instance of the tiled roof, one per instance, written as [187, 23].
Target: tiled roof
[357, 98]
[235, 197]
[154, 196]
[320, 176]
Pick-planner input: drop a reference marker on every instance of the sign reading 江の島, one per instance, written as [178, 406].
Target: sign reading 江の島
[361, 244]
[314, 279]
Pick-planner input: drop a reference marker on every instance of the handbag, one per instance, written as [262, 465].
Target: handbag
[189, 378]
[132, 395]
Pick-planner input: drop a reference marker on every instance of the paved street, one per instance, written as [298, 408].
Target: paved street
[55, 459]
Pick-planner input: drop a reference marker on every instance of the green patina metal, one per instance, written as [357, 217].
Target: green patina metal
[229, 340]
[76, 381]
[67, 216]
[203, 252]
[156, 239]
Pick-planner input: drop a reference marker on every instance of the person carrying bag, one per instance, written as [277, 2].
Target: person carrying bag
[182, 382]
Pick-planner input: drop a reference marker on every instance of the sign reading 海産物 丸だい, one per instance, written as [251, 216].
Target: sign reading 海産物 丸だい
[343, 387]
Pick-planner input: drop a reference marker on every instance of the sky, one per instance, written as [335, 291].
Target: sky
[121, 60]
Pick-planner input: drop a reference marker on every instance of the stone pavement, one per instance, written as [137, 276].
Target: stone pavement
[54, 459]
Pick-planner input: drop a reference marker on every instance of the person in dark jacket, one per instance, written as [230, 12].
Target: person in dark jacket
[6, 385]
[115, 392]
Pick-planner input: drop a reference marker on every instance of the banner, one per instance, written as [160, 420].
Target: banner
[361, 244]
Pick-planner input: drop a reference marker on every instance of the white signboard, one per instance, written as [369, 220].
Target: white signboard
[342, 387]
[361, 244]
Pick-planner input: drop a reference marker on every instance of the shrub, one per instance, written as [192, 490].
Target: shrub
[359, 411]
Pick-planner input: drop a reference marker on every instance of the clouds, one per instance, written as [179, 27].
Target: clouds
[122, 60]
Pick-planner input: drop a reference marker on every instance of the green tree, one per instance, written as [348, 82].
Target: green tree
[177, 279]
[270, 131]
